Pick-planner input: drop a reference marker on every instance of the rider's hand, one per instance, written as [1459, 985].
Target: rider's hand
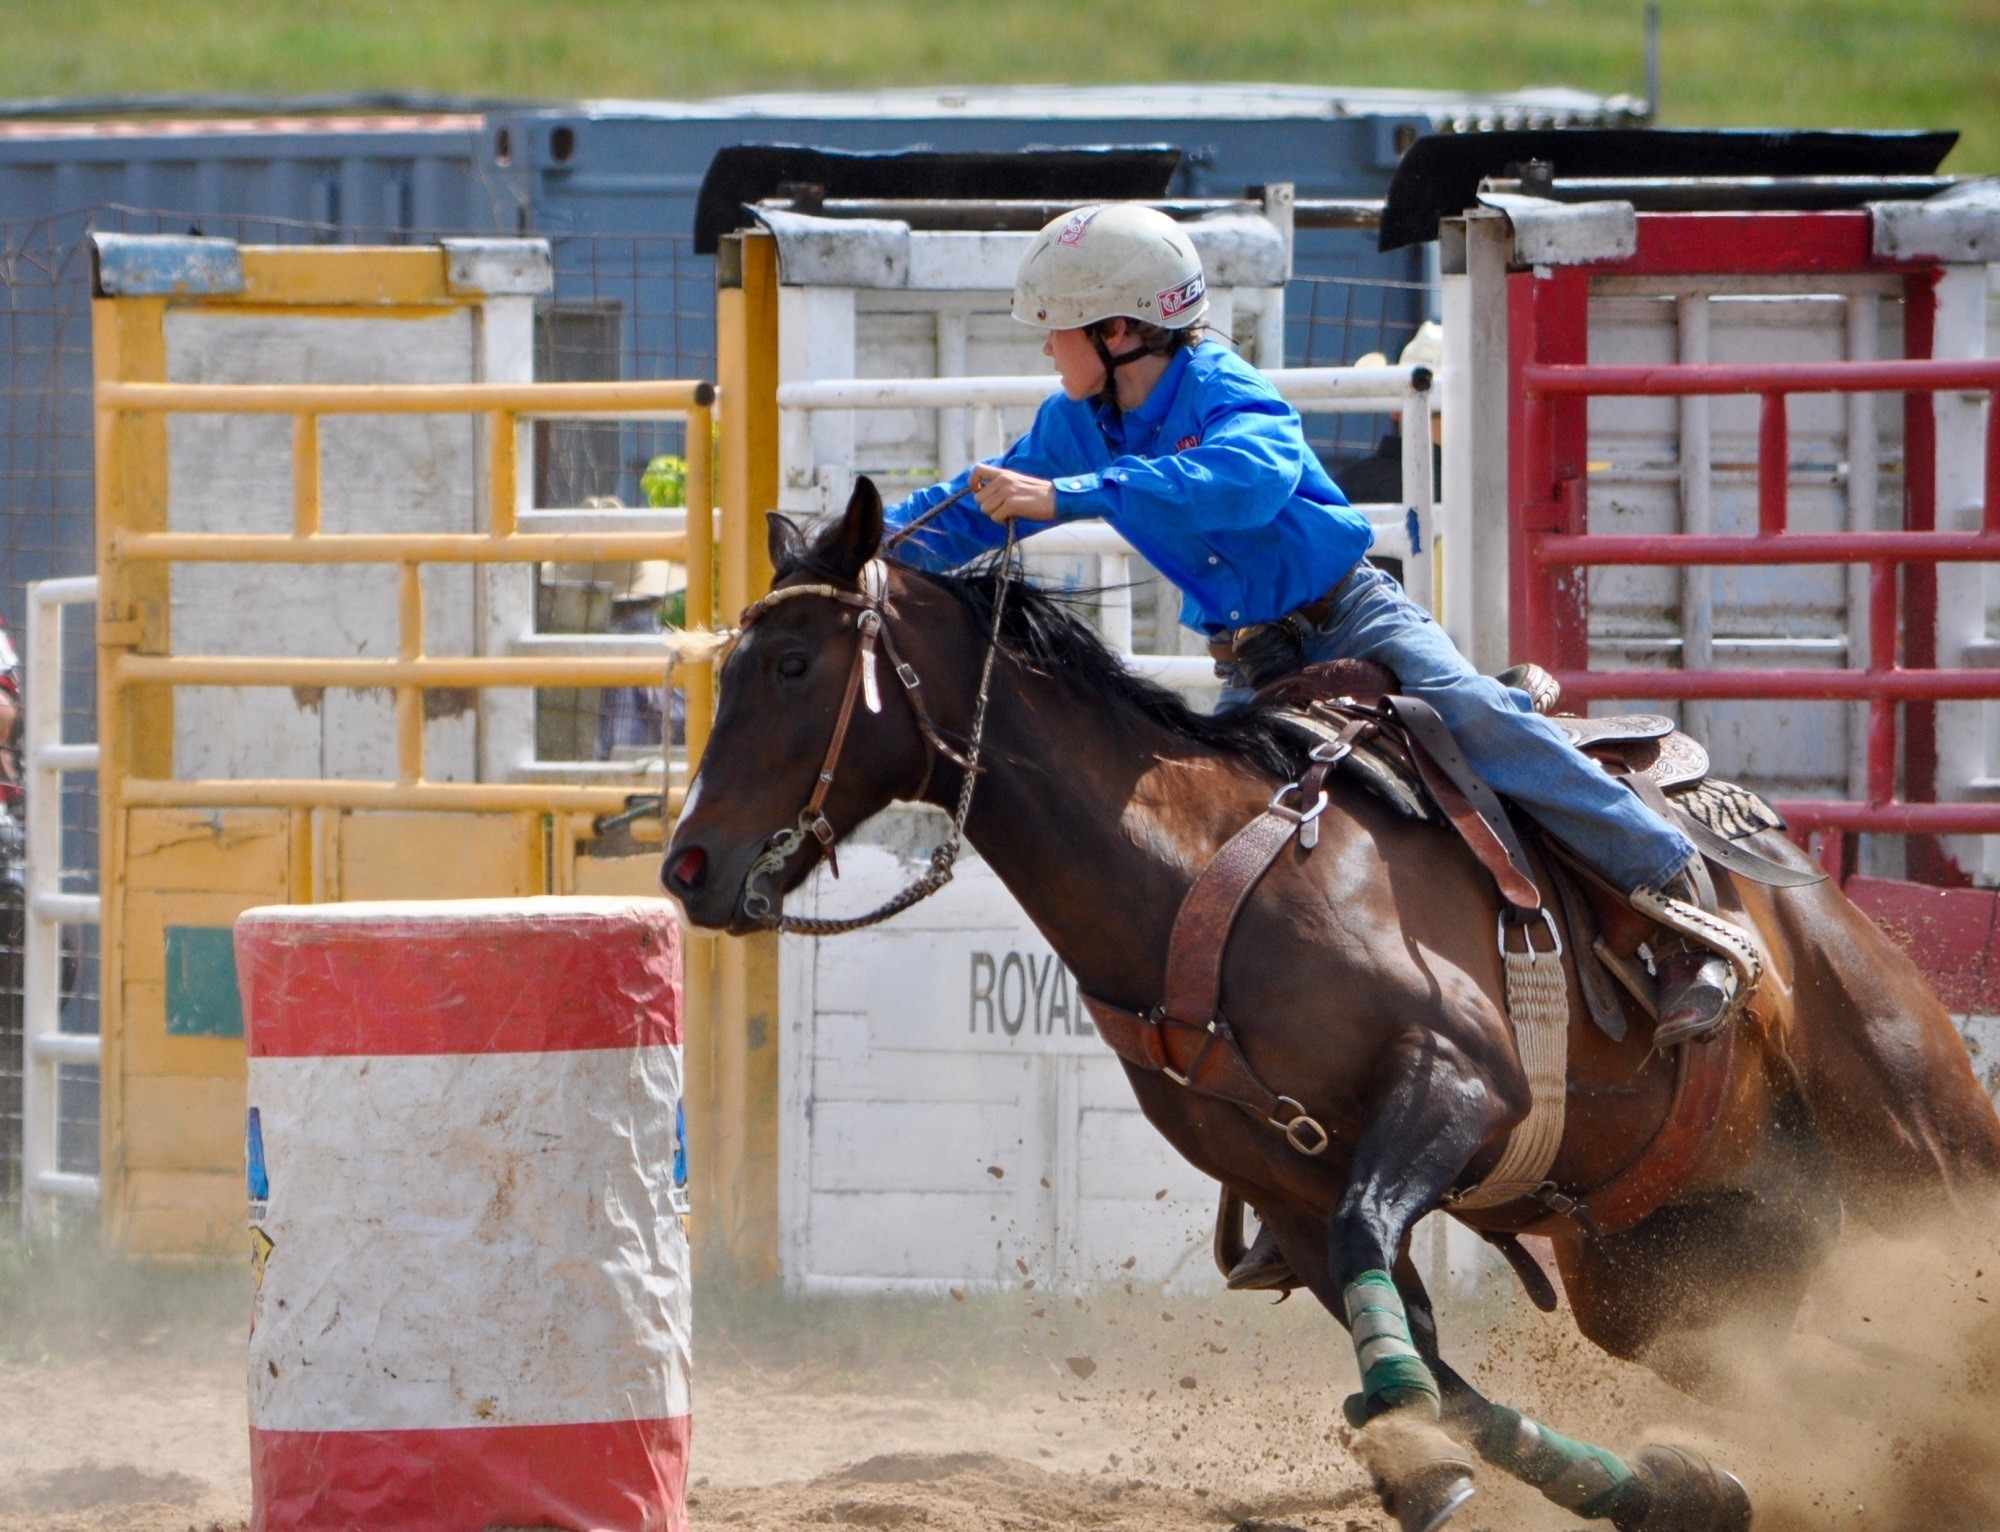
[1007, 496]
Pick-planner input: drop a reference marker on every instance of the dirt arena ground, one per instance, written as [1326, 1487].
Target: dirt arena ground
[1131, 1411]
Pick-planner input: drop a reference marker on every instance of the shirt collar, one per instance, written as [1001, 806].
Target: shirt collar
[1145, 421]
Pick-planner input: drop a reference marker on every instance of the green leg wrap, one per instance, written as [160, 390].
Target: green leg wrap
[1393, 1375]
[1575, 1475]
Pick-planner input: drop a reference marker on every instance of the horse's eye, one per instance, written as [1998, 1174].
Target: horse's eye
[792, 666]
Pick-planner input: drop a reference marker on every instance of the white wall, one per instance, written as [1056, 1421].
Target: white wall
[919, 1057]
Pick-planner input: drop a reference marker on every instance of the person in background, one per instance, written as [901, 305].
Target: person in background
[1378, 478]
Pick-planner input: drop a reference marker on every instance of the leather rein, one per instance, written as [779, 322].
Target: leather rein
[871, 621]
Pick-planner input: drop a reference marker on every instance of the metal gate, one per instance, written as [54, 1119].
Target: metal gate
[1775, 507]
[202, 482]
[625, 307]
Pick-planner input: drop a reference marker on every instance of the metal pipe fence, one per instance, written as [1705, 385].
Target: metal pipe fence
[1553, 547]
[625, 308]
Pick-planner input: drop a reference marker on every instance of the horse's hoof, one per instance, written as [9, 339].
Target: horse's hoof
[1685, 1493]
[1430, 1501]
[1422, 1475]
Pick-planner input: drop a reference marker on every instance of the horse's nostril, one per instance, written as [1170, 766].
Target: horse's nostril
[687, 868]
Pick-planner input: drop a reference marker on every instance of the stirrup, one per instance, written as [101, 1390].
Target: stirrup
[1543, 690]
[1717, 935]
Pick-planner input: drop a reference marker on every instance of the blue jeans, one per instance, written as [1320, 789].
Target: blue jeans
[1521, 754]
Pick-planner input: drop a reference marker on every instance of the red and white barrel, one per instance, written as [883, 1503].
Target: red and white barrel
[472, 1301]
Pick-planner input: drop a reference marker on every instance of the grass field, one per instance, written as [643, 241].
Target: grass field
[1846, 63]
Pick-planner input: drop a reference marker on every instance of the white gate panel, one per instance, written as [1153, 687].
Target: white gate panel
[1664, 465]
[921, 1058]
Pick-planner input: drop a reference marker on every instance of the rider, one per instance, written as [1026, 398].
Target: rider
[1191, 454]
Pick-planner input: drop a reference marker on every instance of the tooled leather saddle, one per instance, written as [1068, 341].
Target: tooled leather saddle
[1407, 758]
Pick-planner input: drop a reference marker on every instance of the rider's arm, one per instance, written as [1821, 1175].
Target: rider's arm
[964, 532]
[1240, 474]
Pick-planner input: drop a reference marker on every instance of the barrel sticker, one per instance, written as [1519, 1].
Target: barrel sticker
[261, 1246]
[253, 1158]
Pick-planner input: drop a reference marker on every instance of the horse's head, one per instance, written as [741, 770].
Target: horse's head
[782, 692]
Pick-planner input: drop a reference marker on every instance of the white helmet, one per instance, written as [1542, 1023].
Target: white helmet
[1111, 260]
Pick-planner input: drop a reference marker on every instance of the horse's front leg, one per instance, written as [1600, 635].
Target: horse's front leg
[1434, 1117]
[1436, 1113]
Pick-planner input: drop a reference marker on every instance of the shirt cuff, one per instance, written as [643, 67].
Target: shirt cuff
[1083, 495]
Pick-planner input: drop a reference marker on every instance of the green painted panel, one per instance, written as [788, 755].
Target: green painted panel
[202, 999]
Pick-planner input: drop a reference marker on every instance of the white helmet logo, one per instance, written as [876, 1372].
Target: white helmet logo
[1072, 231]
[1176, 299]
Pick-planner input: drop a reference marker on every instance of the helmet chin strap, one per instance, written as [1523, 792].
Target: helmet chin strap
[1109, 393]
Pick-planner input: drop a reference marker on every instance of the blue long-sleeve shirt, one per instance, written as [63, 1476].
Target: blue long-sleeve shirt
[1210, 479]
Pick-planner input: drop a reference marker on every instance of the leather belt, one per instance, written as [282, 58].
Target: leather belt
[1302, 620]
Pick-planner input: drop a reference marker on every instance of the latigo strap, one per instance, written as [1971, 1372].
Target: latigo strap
[1436, 748]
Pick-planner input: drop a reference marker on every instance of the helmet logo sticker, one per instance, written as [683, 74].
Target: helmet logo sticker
[1071, 232]
[1177, 299]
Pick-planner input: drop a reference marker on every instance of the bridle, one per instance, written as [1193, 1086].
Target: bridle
[871, 621]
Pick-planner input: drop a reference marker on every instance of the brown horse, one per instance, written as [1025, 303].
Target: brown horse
[1363, 981]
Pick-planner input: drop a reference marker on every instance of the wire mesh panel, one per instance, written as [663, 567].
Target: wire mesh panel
[46, 496]
[1334, 322]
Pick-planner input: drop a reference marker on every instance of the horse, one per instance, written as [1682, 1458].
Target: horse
[1363, 980]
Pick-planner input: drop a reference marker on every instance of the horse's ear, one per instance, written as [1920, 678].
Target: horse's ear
[859, 533]
[787, 544]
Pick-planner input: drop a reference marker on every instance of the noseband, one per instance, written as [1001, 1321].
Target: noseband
[871, 621]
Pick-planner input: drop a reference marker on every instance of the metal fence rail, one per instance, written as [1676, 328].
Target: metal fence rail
[1553, 546]
[506, 410]
[1406, 529]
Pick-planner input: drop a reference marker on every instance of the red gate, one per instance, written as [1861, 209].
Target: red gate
[1551, 547]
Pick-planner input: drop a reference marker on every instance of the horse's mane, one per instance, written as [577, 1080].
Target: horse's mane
[1040, 628]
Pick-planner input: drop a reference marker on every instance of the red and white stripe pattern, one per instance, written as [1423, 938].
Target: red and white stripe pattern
[474, 1308]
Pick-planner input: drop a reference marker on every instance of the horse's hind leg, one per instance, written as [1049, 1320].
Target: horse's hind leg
[1666, 1490]
[1663, 1490]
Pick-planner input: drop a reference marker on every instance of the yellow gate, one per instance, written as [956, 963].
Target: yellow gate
[182, 854]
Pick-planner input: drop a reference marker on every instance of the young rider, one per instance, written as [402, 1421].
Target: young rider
[1190, 453]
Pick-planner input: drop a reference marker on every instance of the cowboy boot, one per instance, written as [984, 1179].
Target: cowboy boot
[1695, 988]
[1696, 985]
